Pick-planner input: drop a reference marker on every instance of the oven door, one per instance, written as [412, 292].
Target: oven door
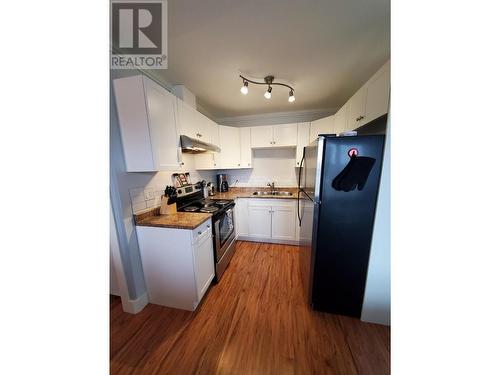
[224, 231]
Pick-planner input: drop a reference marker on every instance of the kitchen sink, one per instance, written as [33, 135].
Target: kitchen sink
[275, 193]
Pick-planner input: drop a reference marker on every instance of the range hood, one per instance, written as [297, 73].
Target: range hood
[195, 146]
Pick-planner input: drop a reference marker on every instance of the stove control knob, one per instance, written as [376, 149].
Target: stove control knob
[179, 191]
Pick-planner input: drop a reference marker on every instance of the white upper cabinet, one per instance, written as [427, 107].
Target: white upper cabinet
[214, 132]
[340, 120]
[205, 160]
[321, 126]
[230, 147]
[209, 160]
[262, 136]
[302, 140]
[193, 123]
[356, 109]
[371, 100]
[245, 148]
[285, 135]
[377, 94]
[149, 133]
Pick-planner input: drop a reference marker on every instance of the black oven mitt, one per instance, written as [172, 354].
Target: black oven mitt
[354, 174]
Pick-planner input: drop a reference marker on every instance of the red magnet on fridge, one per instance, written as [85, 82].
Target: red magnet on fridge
[352, 152]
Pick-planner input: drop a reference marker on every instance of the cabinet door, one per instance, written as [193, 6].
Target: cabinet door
[246, 148]
[283, 222]
[162, 126]
[241, 223]
[203, 262]
[285, 135]
[340, 120]
[377, 95]
[204, 160]
[204, 128]
[302, 140]
[262, 136]
[356, 112]
[134, 128]
[188, 119]
[214, 132]
[321, 126]
[259, 221]
[230, 147]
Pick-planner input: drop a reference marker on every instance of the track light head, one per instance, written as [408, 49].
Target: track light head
[267, 94]
[291, 97]
[244, 88]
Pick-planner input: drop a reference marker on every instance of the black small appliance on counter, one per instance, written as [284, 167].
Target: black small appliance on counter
[222, 183]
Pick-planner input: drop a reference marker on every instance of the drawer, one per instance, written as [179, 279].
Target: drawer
[202, 231]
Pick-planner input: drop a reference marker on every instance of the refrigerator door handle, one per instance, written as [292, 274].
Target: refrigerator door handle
[299, 190]
[300, 170]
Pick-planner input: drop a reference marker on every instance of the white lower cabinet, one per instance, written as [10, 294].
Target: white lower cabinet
[283, 222]
[266, 220]
[241, 218]
[259, 218]
[178, 264]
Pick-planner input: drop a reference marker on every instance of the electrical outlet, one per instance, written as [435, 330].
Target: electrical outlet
[149, 194]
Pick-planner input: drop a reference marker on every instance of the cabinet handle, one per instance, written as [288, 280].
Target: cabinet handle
[248, 164]
[238, 164]
[271, 142]
[199, 232]
[361, 117]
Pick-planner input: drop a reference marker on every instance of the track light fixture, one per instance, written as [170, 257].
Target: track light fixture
[244, 88]
[269, 81]
[267, 94]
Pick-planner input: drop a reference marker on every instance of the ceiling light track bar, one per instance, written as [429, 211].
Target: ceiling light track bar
[270, 82]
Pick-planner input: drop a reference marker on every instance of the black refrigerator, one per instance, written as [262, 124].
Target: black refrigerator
[338, 187]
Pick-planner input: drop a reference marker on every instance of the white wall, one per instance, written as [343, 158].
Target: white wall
[377, 300]
[269, 165]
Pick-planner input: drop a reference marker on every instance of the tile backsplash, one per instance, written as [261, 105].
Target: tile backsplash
[145, 197]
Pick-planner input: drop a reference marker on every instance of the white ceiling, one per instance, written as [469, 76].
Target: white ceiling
[326, 49]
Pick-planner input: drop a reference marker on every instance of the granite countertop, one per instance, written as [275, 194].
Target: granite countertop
[191, 220]
[178, 220]
[247, 192]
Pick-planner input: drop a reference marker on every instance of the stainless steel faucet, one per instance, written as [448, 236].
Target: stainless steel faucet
[271, 185]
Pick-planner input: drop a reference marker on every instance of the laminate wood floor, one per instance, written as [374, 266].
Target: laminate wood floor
[255, 321]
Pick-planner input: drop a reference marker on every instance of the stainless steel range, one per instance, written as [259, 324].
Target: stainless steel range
[190, 199]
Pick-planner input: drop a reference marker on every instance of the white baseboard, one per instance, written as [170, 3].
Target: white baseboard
[267, 240]
[134, 306]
